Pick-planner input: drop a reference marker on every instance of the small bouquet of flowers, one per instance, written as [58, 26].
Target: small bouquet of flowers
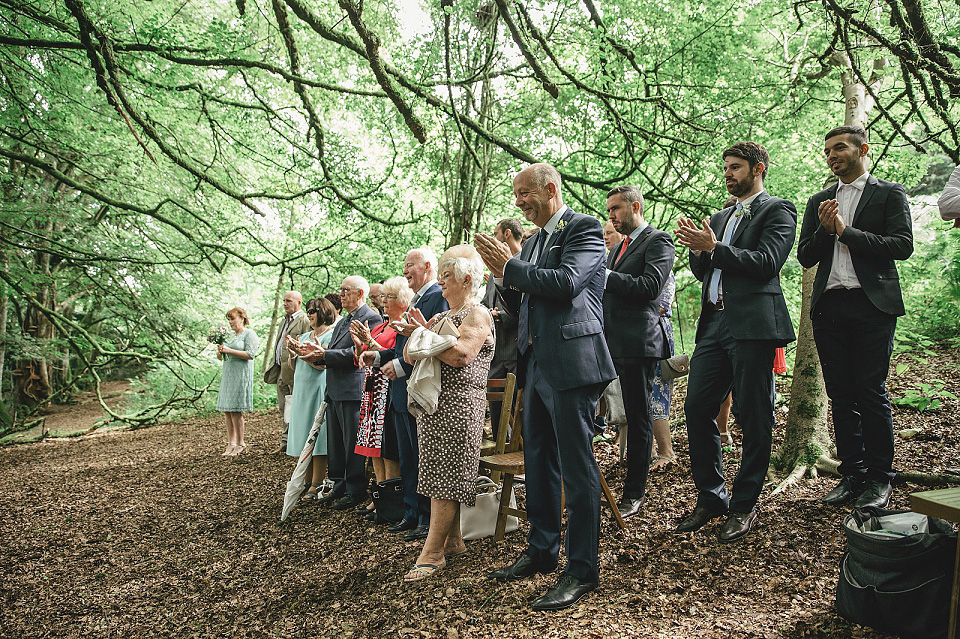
[217, 334]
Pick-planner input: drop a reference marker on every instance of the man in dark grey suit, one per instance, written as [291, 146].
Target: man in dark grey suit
[855, 230]
[555, 288]
[510, 232]
[344, 389]
[637, 269]
[743, 319]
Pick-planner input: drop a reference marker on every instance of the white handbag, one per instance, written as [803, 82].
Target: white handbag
[479, 521]
[287, 408]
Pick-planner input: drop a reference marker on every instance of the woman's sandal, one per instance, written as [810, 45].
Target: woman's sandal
[422, 571]
[228, 451]
[726, 441]
[312, 493]
[662, 462]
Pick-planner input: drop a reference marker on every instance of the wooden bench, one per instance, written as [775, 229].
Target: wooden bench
[945, 504]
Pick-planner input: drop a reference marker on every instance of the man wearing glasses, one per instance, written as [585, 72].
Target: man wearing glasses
[344, 389]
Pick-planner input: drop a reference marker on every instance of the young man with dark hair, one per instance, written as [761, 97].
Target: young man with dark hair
[855, 230]
[737, 255]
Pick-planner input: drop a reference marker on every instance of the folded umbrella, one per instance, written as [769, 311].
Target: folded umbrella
[298, 480]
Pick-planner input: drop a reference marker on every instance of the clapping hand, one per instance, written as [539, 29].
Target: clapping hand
[493, 252]
[829, 214]
[367, 358]
[695, 238]
[310, 352]
[416, 320]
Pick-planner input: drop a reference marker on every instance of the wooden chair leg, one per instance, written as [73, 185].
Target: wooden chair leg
[612, 502]
[505, 493]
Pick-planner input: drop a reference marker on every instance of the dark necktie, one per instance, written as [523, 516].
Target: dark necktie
[523, 327]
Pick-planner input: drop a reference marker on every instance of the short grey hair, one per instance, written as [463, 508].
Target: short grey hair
[544, 174]
[426, 254]
[358, 281]
[398, 286]
[464, 260]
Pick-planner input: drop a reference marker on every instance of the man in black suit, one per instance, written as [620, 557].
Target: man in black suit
[743, 319]
[420, 269]
[855, 230]
[555, 287]
[343, 394]
[637, 269]
[510, 232]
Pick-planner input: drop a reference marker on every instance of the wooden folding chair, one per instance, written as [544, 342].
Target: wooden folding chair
[507, 460]
[499, 390]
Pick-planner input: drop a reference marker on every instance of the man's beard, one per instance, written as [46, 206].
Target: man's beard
[742, 187]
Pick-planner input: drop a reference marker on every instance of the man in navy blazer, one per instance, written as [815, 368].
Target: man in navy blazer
[420, 269]
[637, 270]
[555, 288]
[743, 319]
[344, 389]
[854, 231]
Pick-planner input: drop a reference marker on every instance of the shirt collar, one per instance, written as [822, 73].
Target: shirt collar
[426, 287]
[551, 224]
[748, 201]
[858, 184]
[637, 231]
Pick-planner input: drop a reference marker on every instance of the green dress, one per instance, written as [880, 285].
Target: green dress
[236, 382]
[309, 386]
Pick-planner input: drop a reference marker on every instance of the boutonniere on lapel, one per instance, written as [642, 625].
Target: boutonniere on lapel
[560, 225]
[745, 213]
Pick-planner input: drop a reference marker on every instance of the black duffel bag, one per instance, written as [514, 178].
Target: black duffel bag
[897, 585]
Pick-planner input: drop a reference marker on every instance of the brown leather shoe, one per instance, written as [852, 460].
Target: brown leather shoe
[737, 526]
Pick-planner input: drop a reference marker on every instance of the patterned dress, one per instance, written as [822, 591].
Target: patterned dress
[662, 394]
[450, 438]
[375, 401]
[236, 382]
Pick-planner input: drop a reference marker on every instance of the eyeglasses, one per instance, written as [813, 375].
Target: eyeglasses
[390, 297]
[347, 290]
[311, 311]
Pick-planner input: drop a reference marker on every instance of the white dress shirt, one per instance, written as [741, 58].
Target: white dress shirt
[842, 273]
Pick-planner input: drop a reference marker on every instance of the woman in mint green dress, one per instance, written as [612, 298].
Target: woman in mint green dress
[236, 381]
[309, 386]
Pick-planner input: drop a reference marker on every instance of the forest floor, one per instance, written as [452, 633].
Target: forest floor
[152, 533]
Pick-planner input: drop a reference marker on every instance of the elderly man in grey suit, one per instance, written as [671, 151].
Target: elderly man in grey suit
[295, 323]
[856, 230]
[344, 390]
[637, 270]
[737, 255]
[555, 287]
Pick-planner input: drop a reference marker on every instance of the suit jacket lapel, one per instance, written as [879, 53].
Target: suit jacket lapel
[632, 247]
[868, 190]
[756, 207]
[554, 238]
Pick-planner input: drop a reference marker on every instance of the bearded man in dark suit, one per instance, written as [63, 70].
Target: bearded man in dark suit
[637, 270]
[854, 231]
[555, 288]
[743, 319]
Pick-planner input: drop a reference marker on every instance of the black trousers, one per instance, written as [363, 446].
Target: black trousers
[636, 382]
[855, 341]
[344, 466]
[721, 363]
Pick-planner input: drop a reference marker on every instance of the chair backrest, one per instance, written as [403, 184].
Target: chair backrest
[516, 426]
[509, 385]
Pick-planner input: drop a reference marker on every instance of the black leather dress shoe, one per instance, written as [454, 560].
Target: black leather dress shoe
[329, 499]
[698, 519]
[525, 566]
[630, 507]
[420, 532]
[876, 495]
[848, 489]
[737, 525]
[347, 501]
[568, 591]
[402, 526]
